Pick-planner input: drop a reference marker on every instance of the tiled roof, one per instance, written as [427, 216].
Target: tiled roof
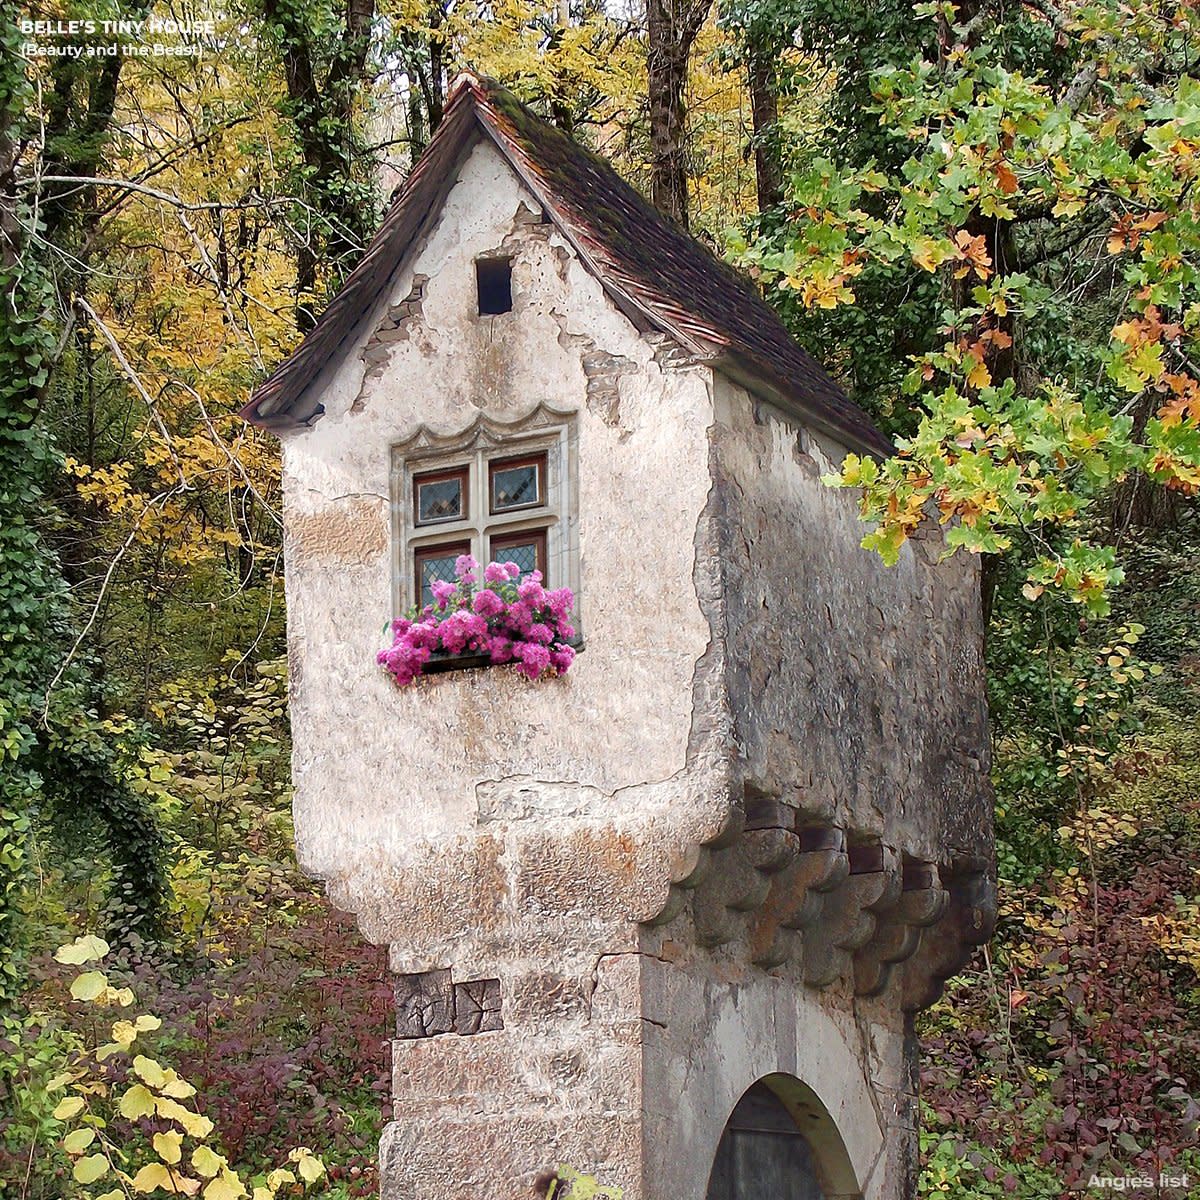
[659, 276]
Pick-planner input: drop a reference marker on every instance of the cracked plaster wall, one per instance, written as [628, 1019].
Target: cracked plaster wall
[391, 785]
[857, 689]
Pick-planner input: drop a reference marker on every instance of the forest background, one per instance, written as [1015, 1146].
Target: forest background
[983, 219]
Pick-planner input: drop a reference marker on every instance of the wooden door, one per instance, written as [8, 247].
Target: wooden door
[762, 1155]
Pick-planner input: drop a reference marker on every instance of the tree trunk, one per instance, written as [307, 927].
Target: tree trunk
[671, 27]
[764, 115]
[1138, 503]
[323, 113]
[423, 57]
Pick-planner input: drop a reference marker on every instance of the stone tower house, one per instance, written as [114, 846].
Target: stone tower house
[667, 918]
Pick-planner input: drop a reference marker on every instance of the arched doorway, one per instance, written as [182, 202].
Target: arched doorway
[764, 1155]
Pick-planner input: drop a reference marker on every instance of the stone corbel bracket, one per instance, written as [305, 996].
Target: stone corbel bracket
[922, 902]
[968, 923]
[851, 914]
[795, 900]
[835, 904]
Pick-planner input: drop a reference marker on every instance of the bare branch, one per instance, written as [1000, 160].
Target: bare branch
[132, 376]
[153, 502]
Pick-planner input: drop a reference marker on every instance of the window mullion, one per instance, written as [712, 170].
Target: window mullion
[479, 498]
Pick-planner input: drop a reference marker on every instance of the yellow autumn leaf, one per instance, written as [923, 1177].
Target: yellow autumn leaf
[88, 1170]
[90, 985]
[152, 1177]
[78, 1140]
[137, 1102]
[851, 470]
[979, 376]
[826, 291]
[929, 254]
[277, 1178]
[311, 1168]
[124, 1032]
[150, 1071]
[1068, 206]
[168, 1147]
[227, 1186]
[206, 1161]
[180, 1089]
[83, 949]
[68, 1107]
[191, 1122]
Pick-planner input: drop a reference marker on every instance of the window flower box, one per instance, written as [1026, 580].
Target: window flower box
[443, 660]
[511, 619]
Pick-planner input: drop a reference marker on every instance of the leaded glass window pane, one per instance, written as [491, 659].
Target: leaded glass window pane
[527, 550]
[525, 556]
[516, 485]
[433, 568]
[441, 498]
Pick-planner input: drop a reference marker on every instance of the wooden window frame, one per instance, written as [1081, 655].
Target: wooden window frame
[505, 464]
[496, 541]
[437, 550]
[462, 474]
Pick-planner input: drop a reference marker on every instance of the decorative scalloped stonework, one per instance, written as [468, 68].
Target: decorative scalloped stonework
[828, 905]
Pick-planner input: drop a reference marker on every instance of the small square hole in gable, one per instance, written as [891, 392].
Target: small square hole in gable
[493, 282]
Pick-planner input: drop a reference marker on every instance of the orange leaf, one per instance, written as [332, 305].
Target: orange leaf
[1006, 178]
[1128, 332]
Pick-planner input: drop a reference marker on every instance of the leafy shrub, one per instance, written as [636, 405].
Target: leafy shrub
[126, 1126]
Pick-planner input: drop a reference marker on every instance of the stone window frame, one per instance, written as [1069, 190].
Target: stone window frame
[545, 433]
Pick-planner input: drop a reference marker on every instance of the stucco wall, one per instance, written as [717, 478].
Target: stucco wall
[857, 689]
[386, 778]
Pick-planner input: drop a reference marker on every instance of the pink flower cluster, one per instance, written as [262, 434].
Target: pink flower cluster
[511, 619]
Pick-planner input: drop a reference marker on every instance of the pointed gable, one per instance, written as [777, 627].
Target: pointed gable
[660, 277]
